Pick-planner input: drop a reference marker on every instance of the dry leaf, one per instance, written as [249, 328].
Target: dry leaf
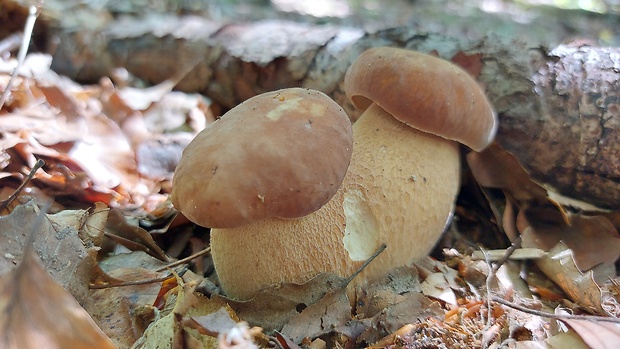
[560, 267]
[119, 311]
[496, 168]
[320, 318]
[394, 288]
[271, 310]
[560, 341]
[436, 286]
[213, 324]
[36, 312]
[415, 307]
[178, 111]
[118, 225]
[593, 239]
[598, 335]
[171, 330]
[57, 243]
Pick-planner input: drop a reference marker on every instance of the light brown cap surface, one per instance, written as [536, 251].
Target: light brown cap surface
[423, 91]
[280, 154]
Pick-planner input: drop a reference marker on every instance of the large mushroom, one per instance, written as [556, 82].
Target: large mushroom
[280, 154]
[399, 190]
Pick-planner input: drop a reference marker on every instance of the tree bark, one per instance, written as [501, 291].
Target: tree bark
[558, 109]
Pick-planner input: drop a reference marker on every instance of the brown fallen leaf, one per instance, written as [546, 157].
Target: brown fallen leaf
[36, 312]
[120, 311]
[598, 335]
[414, 308]
[271, 310]
[320, 318]
[436, 286]
[171, 330]
[62, 252]
[581, 288]
[593, 239]
[496, 168]
[394, 288]
[138, 237]
[559, 341]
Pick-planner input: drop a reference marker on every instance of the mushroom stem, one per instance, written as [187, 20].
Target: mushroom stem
[399, 190]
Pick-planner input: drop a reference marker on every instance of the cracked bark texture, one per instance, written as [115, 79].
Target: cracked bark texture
[558, 109]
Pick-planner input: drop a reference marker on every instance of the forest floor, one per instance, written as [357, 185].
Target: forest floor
[93, 253]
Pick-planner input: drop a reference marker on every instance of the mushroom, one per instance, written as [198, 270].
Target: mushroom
[399, 189]
[279, 154]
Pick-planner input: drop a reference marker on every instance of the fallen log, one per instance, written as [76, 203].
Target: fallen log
[559, 108]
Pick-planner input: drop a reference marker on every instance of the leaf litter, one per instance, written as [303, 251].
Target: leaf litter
[110, 153]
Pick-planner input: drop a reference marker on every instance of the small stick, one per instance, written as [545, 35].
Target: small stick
[509, 251]
[489, 280]
[131, 283]
[29, 177]
[186, 259]
[21, 56]
[348, 280]
[554, 316]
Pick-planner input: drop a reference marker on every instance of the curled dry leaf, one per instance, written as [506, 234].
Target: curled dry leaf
[90, 225]
[36, 312]
[542, 221]
[178, 111]
[593, 239]
[598, 335]
[560, 267]
[117, 225]
[496, 168]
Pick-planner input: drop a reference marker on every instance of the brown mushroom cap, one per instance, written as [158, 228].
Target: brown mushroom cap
[280, 154]
[407, 84]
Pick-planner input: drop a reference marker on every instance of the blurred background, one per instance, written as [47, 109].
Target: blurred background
[544, 21]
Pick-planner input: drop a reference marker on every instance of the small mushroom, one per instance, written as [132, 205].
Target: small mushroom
[280, 154]
[399, 189]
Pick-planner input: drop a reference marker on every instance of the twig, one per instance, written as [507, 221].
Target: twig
[348, 280]
[493, 268]
[489, 280]
[186, 259]
[21, 56]
[554, 316]
[132, 283]
[29, 177]
[509, 251]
